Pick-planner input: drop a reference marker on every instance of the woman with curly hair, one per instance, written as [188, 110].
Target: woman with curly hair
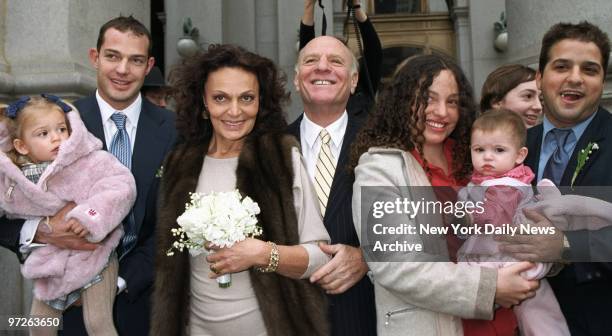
[418, 136]
[231, 130]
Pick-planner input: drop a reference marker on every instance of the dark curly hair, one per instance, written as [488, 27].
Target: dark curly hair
[189, 78]
[395, 123]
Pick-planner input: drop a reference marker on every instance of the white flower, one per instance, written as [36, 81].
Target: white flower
[595, 146]
[220, 218]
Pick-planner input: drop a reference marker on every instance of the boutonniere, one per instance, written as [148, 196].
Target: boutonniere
[160, 172]
[583, 156]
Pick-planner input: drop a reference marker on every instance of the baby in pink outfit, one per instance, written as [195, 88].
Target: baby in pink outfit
[503, 184]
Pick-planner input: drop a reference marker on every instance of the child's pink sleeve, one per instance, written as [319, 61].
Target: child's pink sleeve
[102, 205]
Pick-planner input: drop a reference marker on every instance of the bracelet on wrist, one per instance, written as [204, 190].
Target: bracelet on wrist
[273, 262]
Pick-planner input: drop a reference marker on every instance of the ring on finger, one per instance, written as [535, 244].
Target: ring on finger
[214, 269]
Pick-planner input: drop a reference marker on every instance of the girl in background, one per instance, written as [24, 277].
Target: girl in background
[513, 87]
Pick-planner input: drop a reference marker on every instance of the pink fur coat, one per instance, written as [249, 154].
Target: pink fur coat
[103, 189]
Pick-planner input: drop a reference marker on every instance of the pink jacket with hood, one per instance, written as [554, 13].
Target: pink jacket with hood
[103, 189]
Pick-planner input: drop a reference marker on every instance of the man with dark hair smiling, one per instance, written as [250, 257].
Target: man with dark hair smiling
[125, 123]
[571, 75]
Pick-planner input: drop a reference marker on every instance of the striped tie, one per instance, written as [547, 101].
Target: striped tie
[325, 169]
[120, 147]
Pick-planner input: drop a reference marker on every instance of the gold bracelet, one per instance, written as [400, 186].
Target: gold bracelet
[273, 262]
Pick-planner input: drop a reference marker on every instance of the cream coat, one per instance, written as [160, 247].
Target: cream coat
[417, 298]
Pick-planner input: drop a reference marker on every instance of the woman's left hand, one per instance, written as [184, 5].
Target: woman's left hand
[243, 255]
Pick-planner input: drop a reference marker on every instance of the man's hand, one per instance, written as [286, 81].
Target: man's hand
[61, 234]
[535, 247]
[360, 14]
[512, 288]
[343, 271]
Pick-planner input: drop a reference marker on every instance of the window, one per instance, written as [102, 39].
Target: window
[397, 6]
[411, 6]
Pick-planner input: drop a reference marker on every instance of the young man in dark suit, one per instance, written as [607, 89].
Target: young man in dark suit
[122, 60]
[326, 75]
[571, 75]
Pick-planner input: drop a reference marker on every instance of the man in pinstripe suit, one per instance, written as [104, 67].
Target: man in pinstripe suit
[326, 75]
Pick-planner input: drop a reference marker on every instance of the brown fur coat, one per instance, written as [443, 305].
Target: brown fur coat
[264, 173]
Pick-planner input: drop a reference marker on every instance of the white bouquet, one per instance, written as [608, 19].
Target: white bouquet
[221, 218]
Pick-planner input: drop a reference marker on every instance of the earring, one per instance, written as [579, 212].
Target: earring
[205, 111]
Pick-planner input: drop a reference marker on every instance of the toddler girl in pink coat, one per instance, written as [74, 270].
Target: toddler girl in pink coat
[503, 184]
[48, 159]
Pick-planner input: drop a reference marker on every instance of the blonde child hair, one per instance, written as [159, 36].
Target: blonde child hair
[18, 114]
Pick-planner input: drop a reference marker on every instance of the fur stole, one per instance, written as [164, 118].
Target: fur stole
[264, 173]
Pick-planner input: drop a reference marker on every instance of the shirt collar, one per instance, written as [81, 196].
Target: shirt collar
[310, 131]
[437, 173]
[132, 112]
[577, 129]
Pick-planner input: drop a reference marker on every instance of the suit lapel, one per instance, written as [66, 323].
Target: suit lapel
[146, 147]
[341, 176]
[342, 179]
[146, 153]
[90, 114]
[595, 132]
[534, 144]
[294, 127]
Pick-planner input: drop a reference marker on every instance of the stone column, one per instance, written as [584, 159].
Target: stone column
[46, 43]
[484, 58]
[239, 23]
[461, 17]
[266, 26]
[6, 79]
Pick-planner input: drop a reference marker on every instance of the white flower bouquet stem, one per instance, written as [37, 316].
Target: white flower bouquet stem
[225, 280]
[222, 218]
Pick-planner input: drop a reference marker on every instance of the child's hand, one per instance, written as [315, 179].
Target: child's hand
[77, 228]
[61, 235]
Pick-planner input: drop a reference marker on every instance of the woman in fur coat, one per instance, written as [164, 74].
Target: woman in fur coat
[230, 120]
[49, 159]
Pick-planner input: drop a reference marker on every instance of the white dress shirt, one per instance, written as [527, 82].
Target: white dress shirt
[132, 113]
[311, 143]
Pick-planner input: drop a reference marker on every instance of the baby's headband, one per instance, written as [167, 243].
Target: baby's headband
[15, 107]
